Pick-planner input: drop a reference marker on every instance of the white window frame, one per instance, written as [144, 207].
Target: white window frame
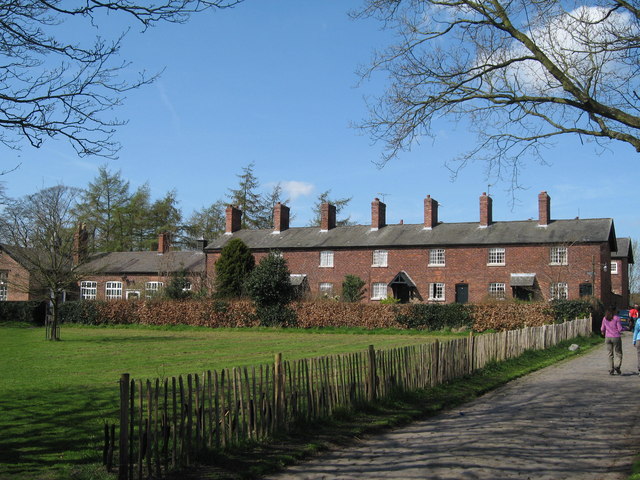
[133, 295]
[326, 288]
[560, 291]
[614, 267]
[151, 289]
[498, 290]
[436, 291]
[437, 257]
[379, 291]
[88, 290]
[326, 259]
[497, 256]
[187, 287]
[559, 256]
[113, 290]
[380, 258]
[4, 287]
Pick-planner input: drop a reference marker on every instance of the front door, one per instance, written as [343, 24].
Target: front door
[401, 292]
[462, 293]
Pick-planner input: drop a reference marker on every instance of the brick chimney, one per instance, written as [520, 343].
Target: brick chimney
[430, 212]
[163, 243]
[544, 209]
[486, 207]
[378, 214]
[280, 218]
[80, 244]
[234, 220]
[327, 217]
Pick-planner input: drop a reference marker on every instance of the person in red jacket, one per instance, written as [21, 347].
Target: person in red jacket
[633, 316]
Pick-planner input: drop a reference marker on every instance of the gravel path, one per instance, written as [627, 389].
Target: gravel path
[569, 421]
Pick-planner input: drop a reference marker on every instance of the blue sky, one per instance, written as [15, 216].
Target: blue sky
[273, 82]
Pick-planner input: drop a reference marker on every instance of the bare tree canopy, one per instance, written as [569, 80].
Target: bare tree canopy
[53, 87]
[521, 72]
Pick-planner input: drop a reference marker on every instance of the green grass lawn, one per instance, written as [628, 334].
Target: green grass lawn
[56, 396]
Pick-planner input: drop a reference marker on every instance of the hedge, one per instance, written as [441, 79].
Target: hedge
[242, 313]
[29, 312]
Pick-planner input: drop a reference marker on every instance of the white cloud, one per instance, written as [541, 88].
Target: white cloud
[295, 189]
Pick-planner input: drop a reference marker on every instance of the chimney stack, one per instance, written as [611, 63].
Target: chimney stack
[430, 213]
[163, 243]
[328, 217]
[378, 214]
[80, 244]
[202, 243]
[233, 220]
[280, 218]
[544, 209]
[486, 207]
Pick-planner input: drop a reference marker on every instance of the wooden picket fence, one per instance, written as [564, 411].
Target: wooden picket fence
[168, 423]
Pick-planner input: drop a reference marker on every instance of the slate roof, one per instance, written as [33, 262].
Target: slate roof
[415, 235]
[624, 250]
[146, 262]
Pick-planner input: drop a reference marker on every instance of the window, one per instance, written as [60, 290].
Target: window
[436, 257]
[152, 288]
[326, 259]
[614, 268]
[380, 258]
[326, 288]
[496, 256]
[559, 256]
[586, 289]
[378, 291]
[497, 290]
[559, 291]
[4, 289]
[113, 290]
[436, 291]
[187, 286]
[88, 290]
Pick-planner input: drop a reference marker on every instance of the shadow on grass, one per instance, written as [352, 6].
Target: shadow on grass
[45, 431]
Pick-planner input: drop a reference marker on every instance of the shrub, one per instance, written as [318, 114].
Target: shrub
[352, 288]
[178, 286]
[270, 282]
[29, 312]
[81, 311]
[232, 268]
[565, 310]
[436, 317]
[276, 316]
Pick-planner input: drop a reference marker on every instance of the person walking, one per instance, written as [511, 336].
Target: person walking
[633, 315]
[636, 342]
[612, 330]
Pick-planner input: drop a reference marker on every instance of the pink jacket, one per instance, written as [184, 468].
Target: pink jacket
[611, 328]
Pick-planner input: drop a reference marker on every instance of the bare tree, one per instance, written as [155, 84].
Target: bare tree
[55, 88]
[634, 271]
[521, 72]
[39, 229]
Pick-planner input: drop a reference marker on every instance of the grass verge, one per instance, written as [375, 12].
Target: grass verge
[255, 461]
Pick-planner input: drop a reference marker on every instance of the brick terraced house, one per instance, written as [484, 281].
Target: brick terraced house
[438, 262]
[133, 275]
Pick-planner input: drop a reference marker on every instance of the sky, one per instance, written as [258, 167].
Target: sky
[274, 83]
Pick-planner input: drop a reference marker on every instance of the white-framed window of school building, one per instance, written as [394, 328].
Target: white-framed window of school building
[88, 290]
[151, 289]
[559, 256]
[380, 258]
[559, 291]
[378, 291]
[326, 258]
[113, 290]
[436, 291]
[4, 287]
[497, 290]
[614, 267]
[496, 256]
[436, 257]
[326, 288]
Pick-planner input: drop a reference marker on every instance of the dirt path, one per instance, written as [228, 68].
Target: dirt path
[569, 421]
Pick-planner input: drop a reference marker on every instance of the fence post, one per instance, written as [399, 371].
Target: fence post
[278, 374]
[123, 470]
[371, 380]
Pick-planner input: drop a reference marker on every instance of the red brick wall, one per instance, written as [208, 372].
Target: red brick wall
[463, 265]
[18, 279]
[131, 282]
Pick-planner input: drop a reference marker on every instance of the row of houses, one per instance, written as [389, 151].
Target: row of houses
[434, 262]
